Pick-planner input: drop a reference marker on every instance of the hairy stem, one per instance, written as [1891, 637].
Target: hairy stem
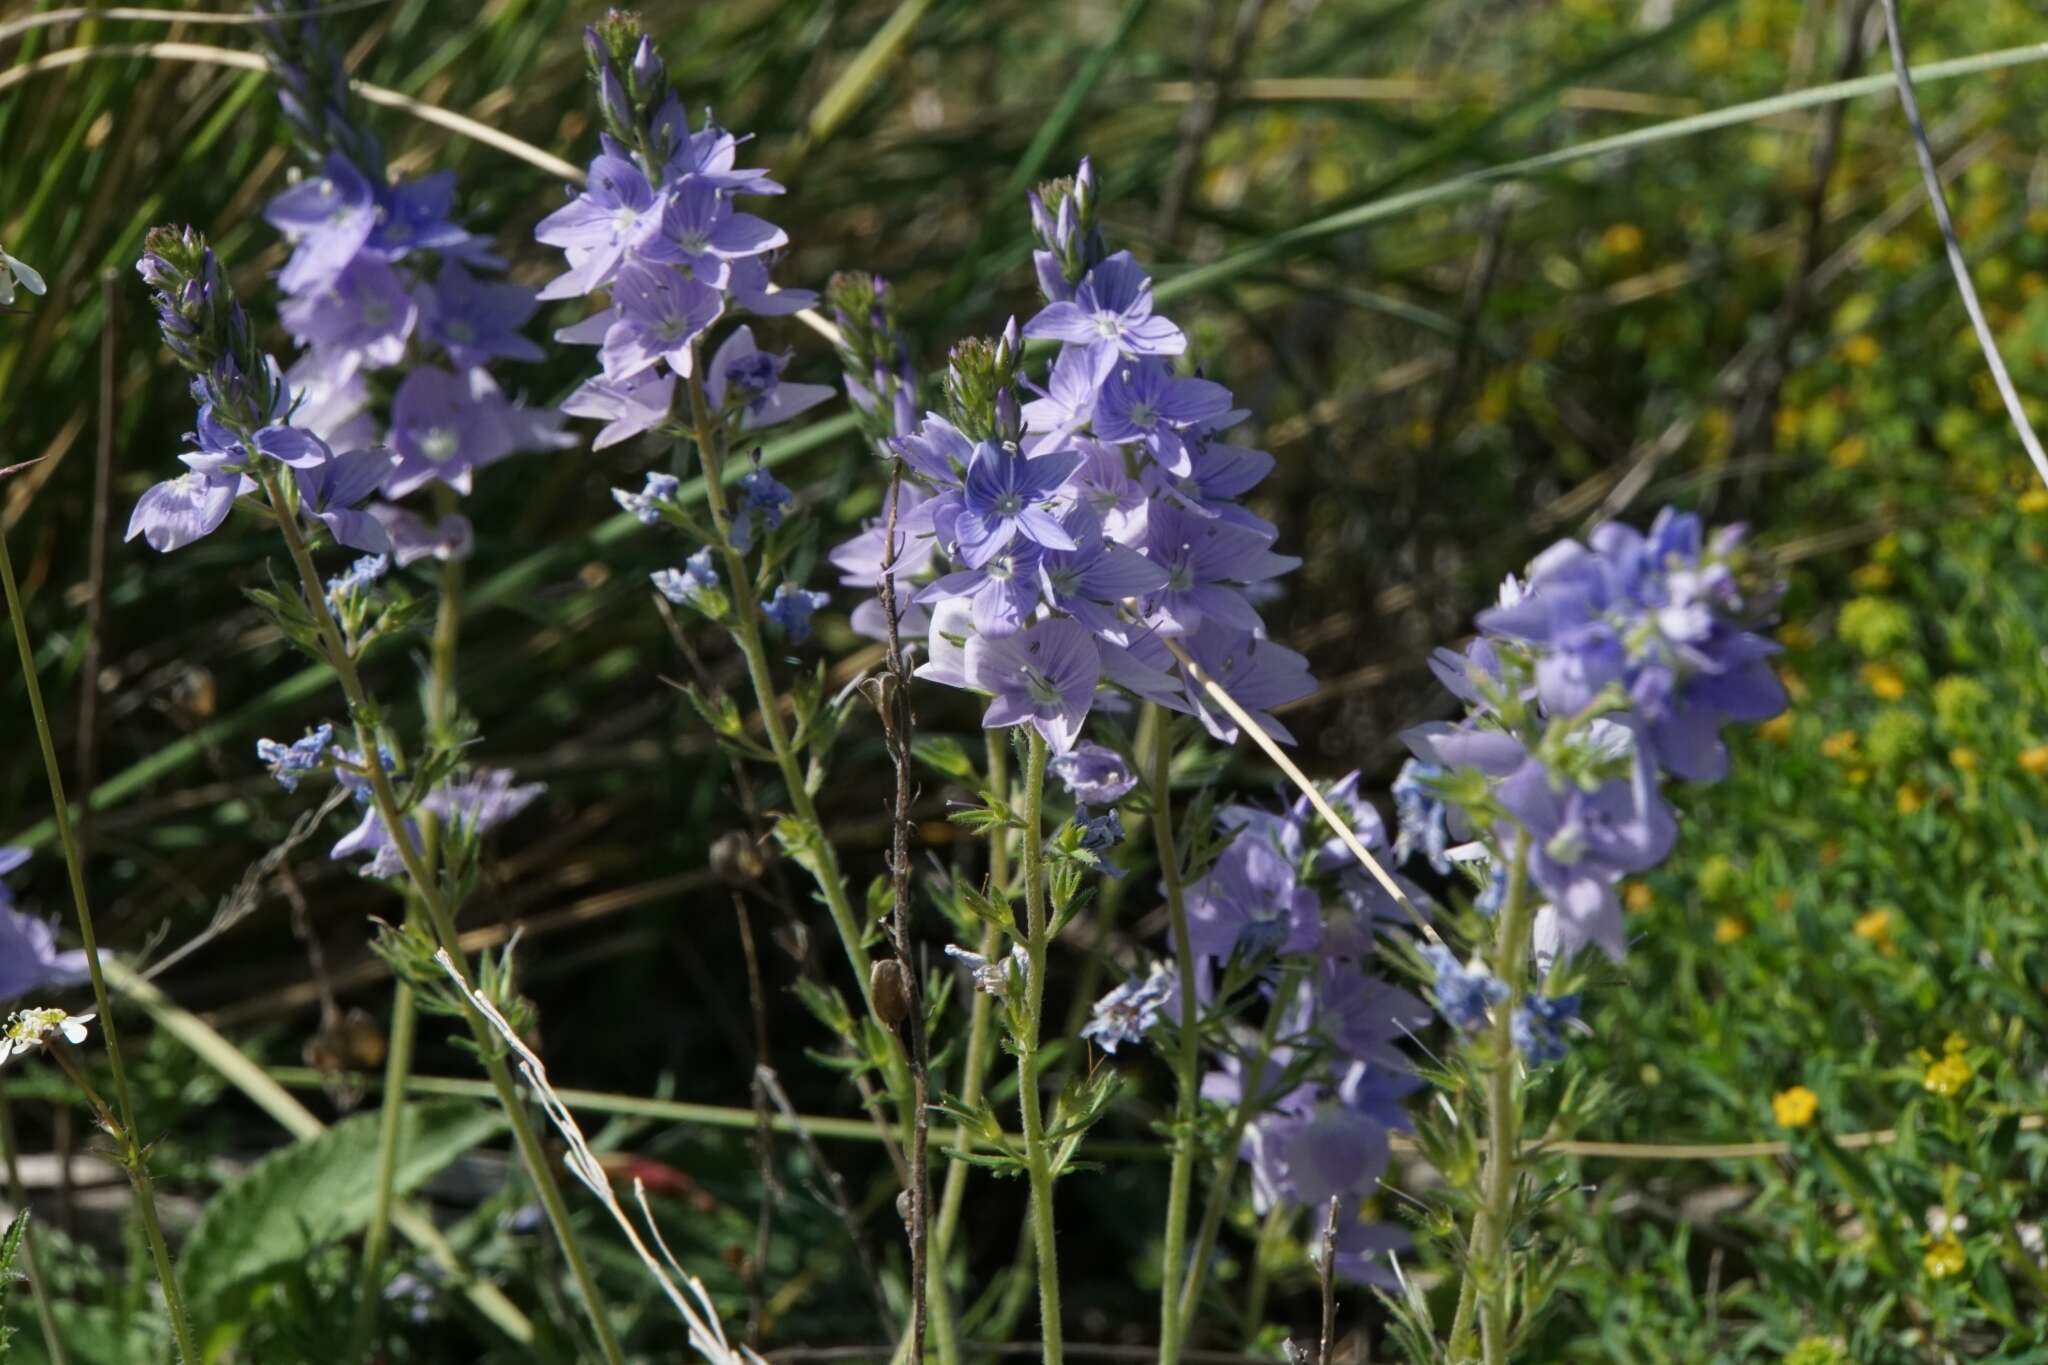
[440, 919]
[1037, 1153]
[1187, 1061]
[133, 1151]
[1491, 1269]
[404, 1007]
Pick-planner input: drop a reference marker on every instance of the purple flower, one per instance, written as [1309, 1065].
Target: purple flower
[1257, 673]
[626, 407]
[937, 451]
[1091, 581]
[747, 287]
[750, 379]
[331, 494]
[658, 315]
[1044, 676]
[1361, 1245]
[474, 321]
[289, 763]
[327, 219]
[710, 154]
[1094, 775]
[1207, 564]
[614, 215]
[861, 559]
[684, 586]
[30, 962]
[1003, 496]
[417, 215]
[994, 978]
[1464, 993]
[467, 805]
[763, 500]
[701, 232]
[1537, 1024]
[362, 316]
[1002, 593]
[1130, 1011]
[176, 512]
[1109, 317]
[444, 426]
[791, 609]
[1100, 833]
[412, 539]
[1250, 902]
[1144, 401]
[1067, 401]
[1421, 816]
[359, 576]
[646, 504]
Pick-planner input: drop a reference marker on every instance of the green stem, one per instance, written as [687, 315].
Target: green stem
[39, 1279]
[1187, 1062]
[1491, 1269]
[134, 1155]
[1262, 1268]
[980, 1032]
[1037, 1154]
[404, 1008]
[440, 918]
[377, 1237]
[1226, 1159]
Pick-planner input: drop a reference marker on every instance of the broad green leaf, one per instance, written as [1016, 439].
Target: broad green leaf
[308, 1195]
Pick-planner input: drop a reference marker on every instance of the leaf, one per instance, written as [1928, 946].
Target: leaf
[944, 755]
[322, 1189]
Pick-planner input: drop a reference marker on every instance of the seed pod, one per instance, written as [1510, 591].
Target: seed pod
[890, 985]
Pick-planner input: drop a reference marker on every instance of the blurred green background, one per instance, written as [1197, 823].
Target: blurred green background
[1755, 321]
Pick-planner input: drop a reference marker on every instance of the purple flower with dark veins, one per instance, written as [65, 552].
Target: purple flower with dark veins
[29, 960]
[657, 315]
[600, 226]
[1132, 1010]
[1257, 673]
[476, 321]
[1092, 580]
[1206, 563]
[412, 539]
[1044, 677]
[327, 219]
[176, 512]
[1110, 317]
[1146, 402]
[1004, 496]
[1002, 593]
[701, 232]
[444, 426]
[331, 494]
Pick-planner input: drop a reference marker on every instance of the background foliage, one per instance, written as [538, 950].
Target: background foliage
[1755, 322]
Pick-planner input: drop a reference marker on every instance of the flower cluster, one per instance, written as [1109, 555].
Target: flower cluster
[1615, 661]
[1080, 522]
[382, 276]
[1324, 1086]
[31, 1030]
[656, 229]
[29, 958]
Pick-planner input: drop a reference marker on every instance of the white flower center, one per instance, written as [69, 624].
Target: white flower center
[1109, 325]
[1041, 688]
[440, 444]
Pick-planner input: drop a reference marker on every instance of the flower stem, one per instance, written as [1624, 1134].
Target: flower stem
[1491, 1271]
[440, 919]
[404, 1007]
[1037, 1155]
[133, 1152]
[980, 1034]
[1187, 1062]
[1226, 1159]
[38, 1280]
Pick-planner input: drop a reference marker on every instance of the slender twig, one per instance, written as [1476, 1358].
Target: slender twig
[1937, 198]
[39, 1279]
[1328, 1270]
[85, 764]
[764, 1130]
[134, 1152]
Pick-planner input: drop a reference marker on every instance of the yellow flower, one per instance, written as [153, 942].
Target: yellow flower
[1623, 239]
[1872, 577]
[1948, 1076]
[1861, 349]
[1963, 758]
[1911, 799]
[1840, 745]
[2035, 760]
[1883, 679]
[1944, 1258]
[2034, 501]
[1637, 898]
[1729, 929]
[1848, 452]
[1778, 729]
[1794, 1108]
[1875, 928]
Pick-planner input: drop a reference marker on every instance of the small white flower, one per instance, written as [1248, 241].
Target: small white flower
[1941, 1223]
[30, 1029]
[993, 977]
[12, 270]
